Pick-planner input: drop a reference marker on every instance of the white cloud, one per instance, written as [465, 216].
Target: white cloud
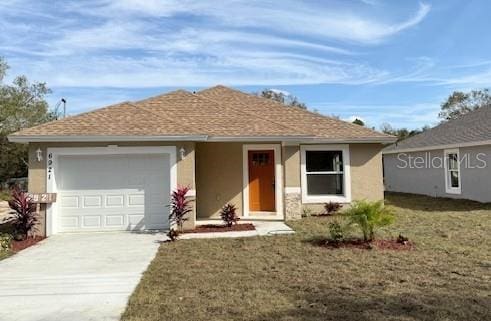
[398, 115]
[280, 91]
[132, 43]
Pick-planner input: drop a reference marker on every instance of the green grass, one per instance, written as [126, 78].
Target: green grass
[447, 276]
[5, 254]
[4, 195]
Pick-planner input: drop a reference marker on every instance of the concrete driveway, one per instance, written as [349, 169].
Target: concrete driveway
[75, 276]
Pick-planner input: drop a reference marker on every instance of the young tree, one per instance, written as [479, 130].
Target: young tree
[401, 133]
[281, 97]
[22, 104]
[460, 103]
[359, 122]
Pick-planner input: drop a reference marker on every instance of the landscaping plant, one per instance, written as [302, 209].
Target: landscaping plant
[173, 235]
[5, 242]
[179, 207]
[332, 208]
[24, 216]
[369, 216]
[228, 214]
[336, 232]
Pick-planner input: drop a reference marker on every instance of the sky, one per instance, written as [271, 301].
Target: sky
[381, 61]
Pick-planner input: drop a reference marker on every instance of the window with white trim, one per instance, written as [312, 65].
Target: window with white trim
[324, 173]
[452, 171]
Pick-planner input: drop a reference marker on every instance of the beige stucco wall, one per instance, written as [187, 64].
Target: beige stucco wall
[366, 172]
[219, 177]
[37, 170]
[291, 158]
[215, 171]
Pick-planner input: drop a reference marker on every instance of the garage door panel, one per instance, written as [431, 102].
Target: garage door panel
[89, 221]
[114, 201]
[68, 201]
[113, 192]
[114, 220]
[92, 201]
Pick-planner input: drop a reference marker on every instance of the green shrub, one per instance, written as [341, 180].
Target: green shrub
[5, 242]
[369, 216]
[336, 231]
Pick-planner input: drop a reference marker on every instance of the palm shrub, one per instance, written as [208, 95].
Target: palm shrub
[369, 216]
[179, 207]
[24, 217]
[228, 213]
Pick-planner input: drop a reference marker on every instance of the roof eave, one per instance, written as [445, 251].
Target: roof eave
[24, 139]
[200, 138]
[436, 147]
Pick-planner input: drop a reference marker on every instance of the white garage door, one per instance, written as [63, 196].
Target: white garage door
[112, 192]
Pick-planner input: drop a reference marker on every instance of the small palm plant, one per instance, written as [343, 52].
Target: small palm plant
[228, 214]
[369, 216]
[24, 217]
[179, 207]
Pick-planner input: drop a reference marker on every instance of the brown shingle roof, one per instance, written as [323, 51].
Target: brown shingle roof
[217, 112]
[308, 122]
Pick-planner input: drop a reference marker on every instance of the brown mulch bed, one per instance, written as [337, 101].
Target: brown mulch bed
[21, 245]
[210, 228]
[360, 244]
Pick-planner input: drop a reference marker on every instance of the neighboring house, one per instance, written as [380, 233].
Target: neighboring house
[450, 160]
[114, 168]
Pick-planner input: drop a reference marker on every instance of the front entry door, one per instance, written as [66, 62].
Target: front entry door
[261, 181]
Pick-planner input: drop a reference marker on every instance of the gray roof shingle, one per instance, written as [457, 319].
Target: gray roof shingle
[473, 127]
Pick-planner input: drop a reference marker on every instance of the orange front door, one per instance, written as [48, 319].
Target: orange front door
[261, 181]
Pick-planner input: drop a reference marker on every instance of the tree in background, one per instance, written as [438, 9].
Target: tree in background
[359, 122]
[22, 104]
[460, 103]
[401, 133]
[281, 97]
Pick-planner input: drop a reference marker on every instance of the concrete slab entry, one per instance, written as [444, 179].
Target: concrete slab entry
[263, 228]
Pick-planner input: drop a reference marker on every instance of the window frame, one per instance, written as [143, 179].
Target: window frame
[448, 183]
[312, 199]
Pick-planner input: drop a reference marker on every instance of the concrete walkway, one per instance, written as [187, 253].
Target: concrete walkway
[76, 277]
[263, 228]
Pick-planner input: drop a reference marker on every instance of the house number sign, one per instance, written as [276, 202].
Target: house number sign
[42, 198]
[50, 165]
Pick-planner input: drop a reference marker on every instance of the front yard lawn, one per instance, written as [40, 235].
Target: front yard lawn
[447, 276]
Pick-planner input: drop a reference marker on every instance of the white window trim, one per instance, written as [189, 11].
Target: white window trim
[278, 179]
[51, 187]
[449, 189]
[311, 199]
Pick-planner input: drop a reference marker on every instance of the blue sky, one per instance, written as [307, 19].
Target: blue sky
[382, 61]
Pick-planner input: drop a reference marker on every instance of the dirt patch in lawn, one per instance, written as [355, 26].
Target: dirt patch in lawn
[362, 245]
[18, 246]
[212, 228]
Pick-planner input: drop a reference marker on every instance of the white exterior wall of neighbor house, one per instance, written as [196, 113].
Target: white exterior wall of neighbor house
[475, 182]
